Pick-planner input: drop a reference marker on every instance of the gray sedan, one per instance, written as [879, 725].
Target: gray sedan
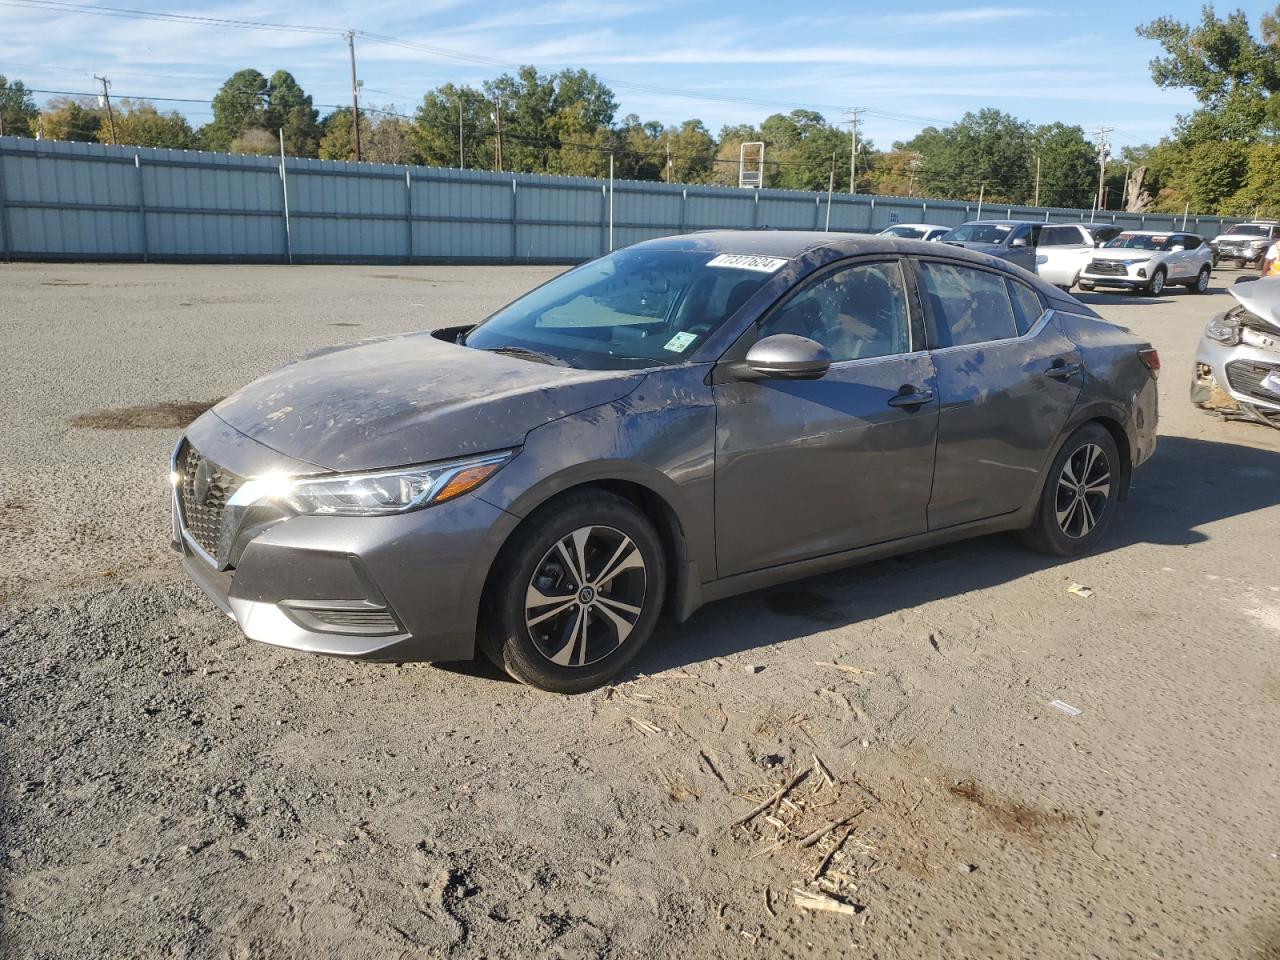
[678, 422]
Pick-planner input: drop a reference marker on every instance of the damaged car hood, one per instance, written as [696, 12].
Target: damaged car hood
[1261, 298]
[410, 399]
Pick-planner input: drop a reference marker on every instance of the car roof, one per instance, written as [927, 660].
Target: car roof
[1003, 220]
[793, 244]
[930, 226]
[1153, 233]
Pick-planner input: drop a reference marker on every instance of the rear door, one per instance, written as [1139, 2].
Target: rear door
[807, 468]
[1061, 253]
[1007, 381]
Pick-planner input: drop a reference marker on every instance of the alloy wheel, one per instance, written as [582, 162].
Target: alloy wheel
[1202, 281]
[1157, 283]
[1084, 490]
[585, 596]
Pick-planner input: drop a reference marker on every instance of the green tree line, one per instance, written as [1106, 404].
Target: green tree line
[1221, 158]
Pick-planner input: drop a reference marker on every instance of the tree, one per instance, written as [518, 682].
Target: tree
[1068, 166]
[725, 168]
[239, 105]
[553, 123]
[447, 113]
[690, 152]
[140, 124]
[807, 150]
[336, 139]
[1260, 193]
[289, 109]
[18, 113]
[256, 141]
[80, 119]
[640, 154]
[387, 140]
[1214, 171]
[987, 152]
[1232, 74]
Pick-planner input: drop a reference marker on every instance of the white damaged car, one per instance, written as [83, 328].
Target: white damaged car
[1238, 360]
[1149, 261]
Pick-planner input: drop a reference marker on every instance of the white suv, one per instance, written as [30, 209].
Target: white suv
[1150, 260]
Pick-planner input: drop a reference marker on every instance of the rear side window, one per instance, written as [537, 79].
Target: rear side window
[1027, 305]
[967, 305]
[1191, 241]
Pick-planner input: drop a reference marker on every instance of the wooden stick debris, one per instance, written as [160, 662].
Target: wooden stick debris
[821, 832]
[826, 860]
[807, 900]
[762, 807]
[845, 668]
[644, 726]
[823, 771]
[706, 759]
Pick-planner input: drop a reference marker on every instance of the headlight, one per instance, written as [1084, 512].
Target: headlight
[1223, 329]
[375, 494]
[1132, 260]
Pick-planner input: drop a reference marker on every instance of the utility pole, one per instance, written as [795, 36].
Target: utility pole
[106, 99]
[1103, 149]
[1036, 202]
[668, 163]
[355, 93]
[462, 162]
[852, 113]
[497, 144]
[831, 186]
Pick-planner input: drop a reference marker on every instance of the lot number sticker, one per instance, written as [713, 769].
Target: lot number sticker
[680, 342]
[738, 261]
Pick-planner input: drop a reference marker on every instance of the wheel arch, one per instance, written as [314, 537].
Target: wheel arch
[684, 585]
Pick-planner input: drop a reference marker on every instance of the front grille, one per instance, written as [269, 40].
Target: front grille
[202, 515]
[1112, 268]
[1245, 376]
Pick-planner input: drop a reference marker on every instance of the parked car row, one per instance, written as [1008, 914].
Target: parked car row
[1091, 255]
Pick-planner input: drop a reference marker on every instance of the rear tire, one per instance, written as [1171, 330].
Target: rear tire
[1080, 495]
[1201, 283]
[575, 594]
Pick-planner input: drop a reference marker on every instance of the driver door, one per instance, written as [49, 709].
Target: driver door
[808, 468]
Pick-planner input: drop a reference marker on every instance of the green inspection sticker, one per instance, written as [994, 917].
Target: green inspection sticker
[680, 342]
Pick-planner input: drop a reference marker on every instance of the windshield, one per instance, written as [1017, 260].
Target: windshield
[979, 233]
[631, 309]
[1140, 241]
[906, 233]
[1247, 230]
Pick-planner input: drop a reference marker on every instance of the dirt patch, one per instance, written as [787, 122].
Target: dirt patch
[1009, 815]
[153, 416]
[64, 283]
[344, 324]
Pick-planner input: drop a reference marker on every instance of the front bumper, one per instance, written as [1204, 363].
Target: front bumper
[1215, 387]
[1244, 255]
[402, 587]
[1125, 281]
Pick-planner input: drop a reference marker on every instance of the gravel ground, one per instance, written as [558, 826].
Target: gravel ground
[173, 790]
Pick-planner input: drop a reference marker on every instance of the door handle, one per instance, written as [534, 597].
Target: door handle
[910, 397]
[1062, 371]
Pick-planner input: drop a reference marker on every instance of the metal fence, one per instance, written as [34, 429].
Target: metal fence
[88, 201]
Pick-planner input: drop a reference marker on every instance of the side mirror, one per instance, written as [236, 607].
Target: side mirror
[1177, 249]
[785, 356]
[1018, 242]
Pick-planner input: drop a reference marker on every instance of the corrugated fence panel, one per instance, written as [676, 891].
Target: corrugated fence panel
[61, 200]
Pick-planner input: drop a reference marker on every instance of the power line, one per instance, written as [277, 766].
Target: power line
[442, 52]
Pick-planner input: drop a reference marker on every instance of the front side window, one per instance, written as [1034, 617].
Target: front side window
[629, 310]
[856, 313]
[1060, 237]
[967, 305]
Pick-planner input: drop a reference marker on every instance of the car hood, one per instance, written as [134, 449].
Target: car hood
[1124, 253]
[410, 399]
[1261, 298]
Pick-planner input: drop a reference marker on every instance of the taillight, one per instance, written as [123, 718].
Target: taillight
[1150, 358]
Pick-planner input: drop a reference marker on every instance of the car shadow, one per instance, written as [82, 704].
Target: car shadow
[1096, 299]
[1187, 486]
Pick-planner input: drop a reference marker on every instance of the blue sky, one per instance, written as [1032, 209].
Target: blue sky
[910, 63]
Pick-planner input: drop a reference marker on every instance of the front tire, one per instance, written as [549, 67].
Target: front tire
[576, 594]
[1155, 286]
[1080, 494]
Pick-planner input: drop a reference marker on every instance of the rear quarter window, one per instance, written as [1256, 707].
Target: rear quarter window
[966, 305]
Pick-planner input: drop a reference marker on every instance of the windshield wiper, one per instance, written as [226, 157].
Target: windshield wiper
[526, 354]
